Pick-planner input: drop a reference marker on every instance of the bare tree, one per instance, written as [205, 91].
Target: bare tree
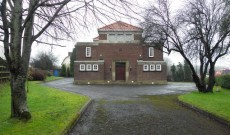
[24, 22]
[200, 32]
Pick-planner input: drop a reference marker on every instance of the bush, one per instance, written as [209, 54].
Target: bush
[36, 75]
[225, 81]
[48, 73]
[218, 80]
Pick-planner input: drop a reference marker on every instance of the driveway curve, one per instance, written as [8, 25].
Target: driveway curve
[115, 92]
[138, 109]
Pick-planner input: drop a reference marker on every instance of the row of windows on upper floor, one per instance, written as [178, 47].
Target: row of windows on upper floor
[88, 52]
[120, 37]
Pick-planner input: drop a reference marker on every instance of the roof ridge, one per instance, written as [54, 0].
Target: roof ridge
[119, 25]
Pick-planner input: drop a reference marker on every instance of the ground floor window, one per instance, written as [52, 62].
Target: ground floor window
[95, 67]
[145, 67]
[82, 67]
[88, 67]
[158, 67]
[152, 67]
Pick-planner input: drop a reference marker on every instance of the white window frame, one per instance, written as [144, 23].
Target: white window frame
[158, 67]
[120, 37]
[88, 67]
[88, 52]
[82, 67]
[145, 67]
[151, 52]
[152, 67]
[112, 37]
[95, 67]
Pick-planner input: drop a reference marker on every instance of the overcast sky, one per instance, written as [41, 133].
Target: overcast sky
[86, 35]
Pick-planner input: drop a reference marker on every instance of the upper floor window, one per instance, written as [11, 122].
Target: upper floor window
[88, 52]
[151, 52]
[118, 37]
[129, 37]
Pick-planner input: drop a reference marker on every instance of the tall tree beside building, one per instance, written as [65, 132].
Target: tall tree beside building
[24, 22]
[201, 32]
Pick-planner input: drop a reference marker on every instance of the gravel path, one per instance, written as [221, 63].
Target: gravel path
[135, 110]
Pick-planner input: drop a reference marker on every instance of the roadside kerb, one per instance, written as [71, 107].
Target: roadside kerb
[77, 117]
[207, 114]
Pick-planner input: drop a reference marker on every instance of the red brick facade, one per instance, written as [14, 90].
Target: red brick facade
[107, 55]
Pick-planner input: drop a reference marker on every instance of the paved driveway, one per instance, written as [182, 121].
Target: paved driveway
[149, 109]
[116, 92]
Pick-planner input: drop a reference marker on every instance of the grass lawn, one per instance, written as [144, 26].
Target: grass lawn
[52, 78]
[52, 111]
[217, 103]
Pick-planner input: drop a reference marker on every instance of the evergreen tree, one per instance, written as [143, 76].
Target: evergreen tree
[187, 72]
[180, 72]
[68, 72]
[72, 59]
[63, 70]
[173, 70]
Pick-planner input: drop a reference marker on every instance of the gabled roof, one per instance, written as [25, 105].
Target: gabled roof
[120, 26]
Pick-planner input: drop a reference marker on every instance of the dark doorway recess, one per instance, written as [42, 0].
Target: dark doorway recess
[120, 71]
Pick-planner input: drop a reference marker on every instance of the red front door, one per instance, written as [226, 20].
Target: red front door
[120, 71]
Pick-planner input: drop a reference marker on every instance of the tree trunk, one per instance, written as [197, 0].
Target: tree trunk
[199, 85]
[19, 107]
[211, 80]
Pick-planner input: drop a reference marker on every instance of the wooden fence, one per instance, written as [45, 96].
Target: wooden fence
[4, 74]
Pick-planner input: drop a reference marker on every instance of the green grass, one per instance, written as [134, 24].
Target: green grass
[52, 78]
[217, 103]
[52, 111]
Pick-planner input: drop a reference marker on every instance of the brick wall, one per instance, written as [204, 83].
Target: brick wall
[85, 75]
[119, 52]
[153, 76]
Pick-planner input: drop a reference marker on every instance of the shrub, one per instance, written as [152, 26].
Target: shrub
[218, 80]
[225, 81]
[48, 73]
[37, 75]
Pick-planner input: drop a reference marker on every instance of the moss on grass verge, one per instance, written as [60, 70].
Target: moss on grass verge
[52, 110]
[164, 101]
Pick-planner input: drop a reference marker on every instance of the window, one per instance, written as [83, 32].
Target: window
[158, 67]
[152, 67]
[145, 67]
[151, 52]
[112, 37]
[88, 67]
[95, 67]
[120, 37]
[82, 67]
[129, 37]
[88, 51]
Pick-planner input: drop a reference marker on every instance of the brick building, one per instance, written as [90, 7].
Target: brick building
[117, 55]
